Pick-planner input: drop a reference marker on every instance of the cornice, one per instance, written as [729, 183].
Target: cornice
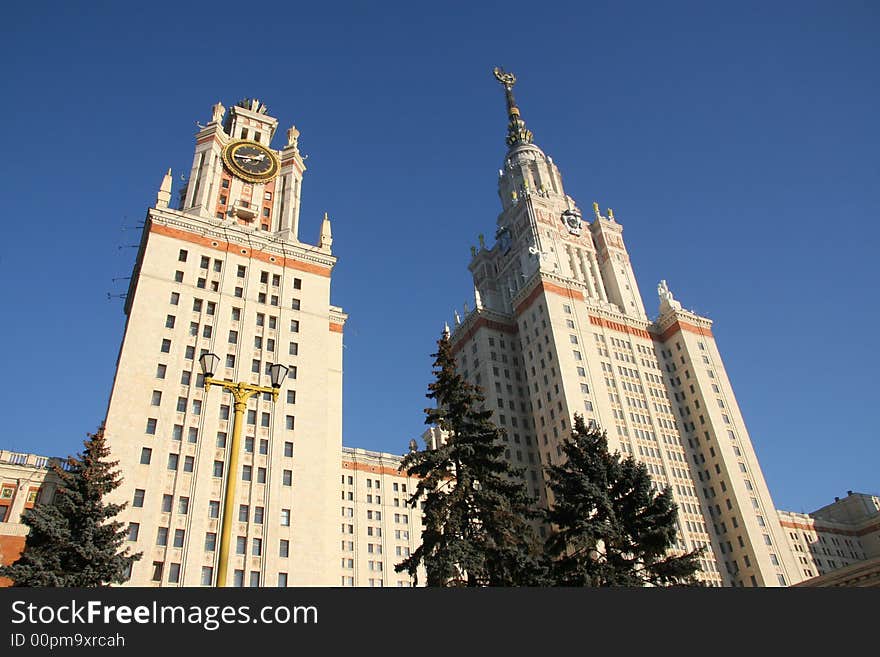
[233, 233]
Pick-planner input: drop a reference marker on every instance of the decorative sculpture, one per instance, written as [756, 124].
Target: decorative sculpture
[217, 112]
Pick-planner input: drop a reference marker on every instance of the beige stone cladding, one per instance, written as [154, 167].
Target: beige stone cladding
[377, 530]
[837, 536]
[254, 295]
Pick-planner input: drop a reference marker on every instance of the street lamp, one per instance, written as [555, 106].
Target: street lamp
[241, 392]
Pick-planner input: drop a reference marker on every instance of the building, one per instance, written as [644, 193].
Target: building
[834, 538]
[227, 273]
[559, 327]
[25, 480]
[378, 529]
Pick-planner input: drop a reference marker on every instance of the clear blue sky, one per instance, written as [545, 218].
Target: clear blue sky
[737, 144]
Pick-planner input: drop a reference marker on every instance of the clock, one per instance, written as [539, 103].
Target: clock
[572, 221]
[250, 160]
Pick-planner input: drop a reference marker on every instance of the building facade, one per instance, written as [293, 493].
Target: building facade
[559, 327]
[25, 480]
[378, 529]
[226, 273]
[837, 536]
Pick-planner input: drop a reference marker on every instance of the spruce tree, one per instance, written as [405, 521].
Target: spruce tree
[476, 507]
[610, 528]
[75, 541]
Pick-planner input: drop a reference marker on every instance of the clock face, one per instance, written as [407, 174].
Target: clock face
[250, 160]
[572, 221]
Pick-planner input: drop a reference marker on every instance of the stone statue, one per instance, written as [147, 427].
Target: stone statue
[457, 317]
[466, 309]
[292, 137]
[482, 239]
[217, 112]
[667, 301]
[413, 445]
[596, 210]
[473, 251]
[611, 214]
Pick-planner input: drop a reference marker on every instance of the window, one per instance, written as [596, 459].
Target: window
[257, 547]
[172, 461]
[285, 517]
[230, 360]
[207, 575]
[294, 326]
[210, 541]
[162, 536]
[138, 500]
[178, 276]
[221, 439]
[287, 478]
[295, 304]
[214, 509]
[166, 347]
[157, 571]
[264, 422]
[241, 545]
[246, 472]
[261, 475]
[169, 321]
[288, 449]
[258, 515]
[289, 422]
[255, 579]
[238, 578]
[146, 455]
[218, 468]
[291, 372]
[178, 537]
[167, 501]
[294, 349]
[192, 435]
[282, 579]
[175, 298]
[284, 549]
[188, 463]
[160, 372]
[133, 529]
[151, 426]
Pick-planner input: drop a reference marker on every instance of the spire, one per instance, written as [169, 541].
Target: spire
[326, 235]
[517, 133]
[164, 194]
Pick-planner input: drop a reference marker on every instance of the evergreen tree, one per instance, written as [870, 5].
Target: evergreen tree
[610, 527]
[74, 541]
[476, 507]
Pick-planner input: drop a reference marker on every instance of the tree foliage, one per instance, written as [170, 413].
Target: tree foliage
[610, 528]
[75, 541]
[476, 507]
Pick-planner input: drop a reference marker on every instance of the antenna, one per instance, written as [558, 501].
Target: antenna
[127, 246]
[116, 296]
[121, 278]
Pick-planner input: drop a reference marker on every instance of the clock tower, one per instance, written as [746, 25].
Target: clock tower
[226, 273]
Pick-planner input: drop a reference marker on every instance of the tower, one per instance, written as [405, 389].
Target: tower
[226, 273]
[559, 328]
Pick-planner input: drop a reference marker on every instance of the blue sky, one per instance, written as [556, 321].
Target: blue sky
[737, 144]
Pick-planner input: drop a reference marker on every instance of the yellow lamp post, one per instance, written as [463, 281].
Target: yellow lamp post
[241, 392]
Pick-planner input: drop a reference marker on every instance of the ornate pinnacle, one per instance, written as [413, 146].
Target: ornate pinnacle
[517, 133]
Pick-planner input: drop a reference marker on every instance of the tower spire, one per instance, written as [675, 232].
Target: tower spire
[517, 133]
